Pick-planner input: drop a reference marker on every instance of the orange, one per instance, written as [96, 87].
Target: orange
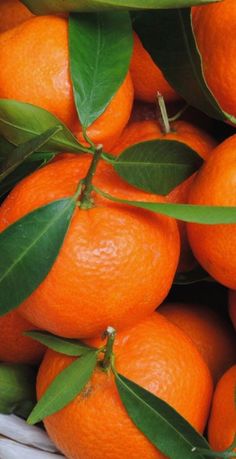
[222, 422]
[210, 332]
[12, 13]
[147, 77]
[214, 246]
[194, 137]
[117, 263]
[14, 346]
[34, 64]
[156, 355]
[232, 306]
[214, 28]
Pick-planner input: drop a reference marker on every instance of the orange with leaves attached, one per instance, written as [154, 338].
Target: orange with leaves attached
[117, 262]
[156, 355]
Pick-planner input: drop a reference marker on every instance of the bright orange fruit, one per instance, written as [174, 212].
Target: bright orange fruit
[12, 13]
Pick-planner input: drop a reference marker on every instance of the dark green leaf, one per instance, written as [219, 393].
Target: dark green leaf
[6, 148]
[29, 248]
[210, 215]
[17, 389]
[168, 37]
[191, 277]
[159, 422]
[20, 122]
[157, 166]
[23, 151]
[65, 387]
[66, 346]
[100, 49]
[57, 6]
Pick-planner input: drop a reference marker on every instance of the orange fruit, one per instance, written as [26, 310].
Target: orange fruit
[36, 71]
[156, 355]
[147, 77]
[214, 29]
[232, 306]
[117, 263]
[12, 13]
[210, 331]
[222, 422]
[214, 246]
[195, 138]
[14, 346]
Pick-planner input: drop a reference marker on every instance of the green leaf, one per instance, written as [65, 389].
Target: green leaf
[100, 50]
[159, 422]
[20, 122]
[28, 250]
[57, 6]
[168, 37]
[65, 387]
[157, 166]
[17, 389]
[192, 277]
[23, 151]
[72, 347]
[210, 215]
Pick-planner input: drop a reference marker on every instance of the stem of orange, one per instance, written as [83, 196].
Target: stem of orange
[86, 202]
[164, 116]
[110, 334]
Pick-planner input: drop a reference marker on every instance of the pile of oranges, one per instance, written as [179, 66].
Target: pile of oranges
[118, 263]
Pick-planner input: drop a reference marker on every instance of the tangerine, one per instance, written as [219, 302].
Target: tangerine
[12, 13]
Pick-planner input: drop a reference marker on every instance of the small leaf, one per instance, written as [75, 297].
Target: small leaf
[168, 37]
[65, 387]
[100, 49]
[192, 277]
[23, 151]
[157, 166]
[72, 347]
[159, 422]
[58, 6]
[209, 215]
[28, 250]
[20, 122]
[17, 389]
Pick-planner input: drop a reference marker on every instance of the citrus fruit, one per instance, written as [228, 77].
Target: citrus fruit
[210, 331]
[214, 246]
[214, 29]
[222, 422]
[147, 77]
[12, 13]
[36, 71]
[117, 262]
[14, 346]
[232, 306]
[156, 355]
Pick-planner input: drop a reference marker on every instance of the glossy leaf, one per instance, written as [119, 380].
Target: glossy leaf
[19, 154]
[100, 49]
[168, 37]
[157, 166]
[20, 122]
[17, 389]
[72, 347]
[187, 212]
[65, 387]
[160, 423]
[29, 248]
[50, 6]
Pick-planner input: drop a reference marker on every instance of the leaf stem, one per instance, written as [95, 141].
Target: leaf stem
[179, 113]
[164, 116]
[86, 201]
[110, 334]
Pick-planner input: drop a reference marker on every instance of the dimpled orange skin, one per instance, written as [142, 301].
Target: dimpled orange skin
[34, 64]
[222, 422]
[155, 354]
[117, 263]
[12, 13]
[214, 246]
[214, 28]
[147, 77]
[211, 333]
[232, 306]
[14, 346]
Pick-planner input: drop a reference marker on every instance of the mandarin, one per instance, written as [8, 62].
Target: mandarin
[117, 262]
[156, 355]
[12, 13]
